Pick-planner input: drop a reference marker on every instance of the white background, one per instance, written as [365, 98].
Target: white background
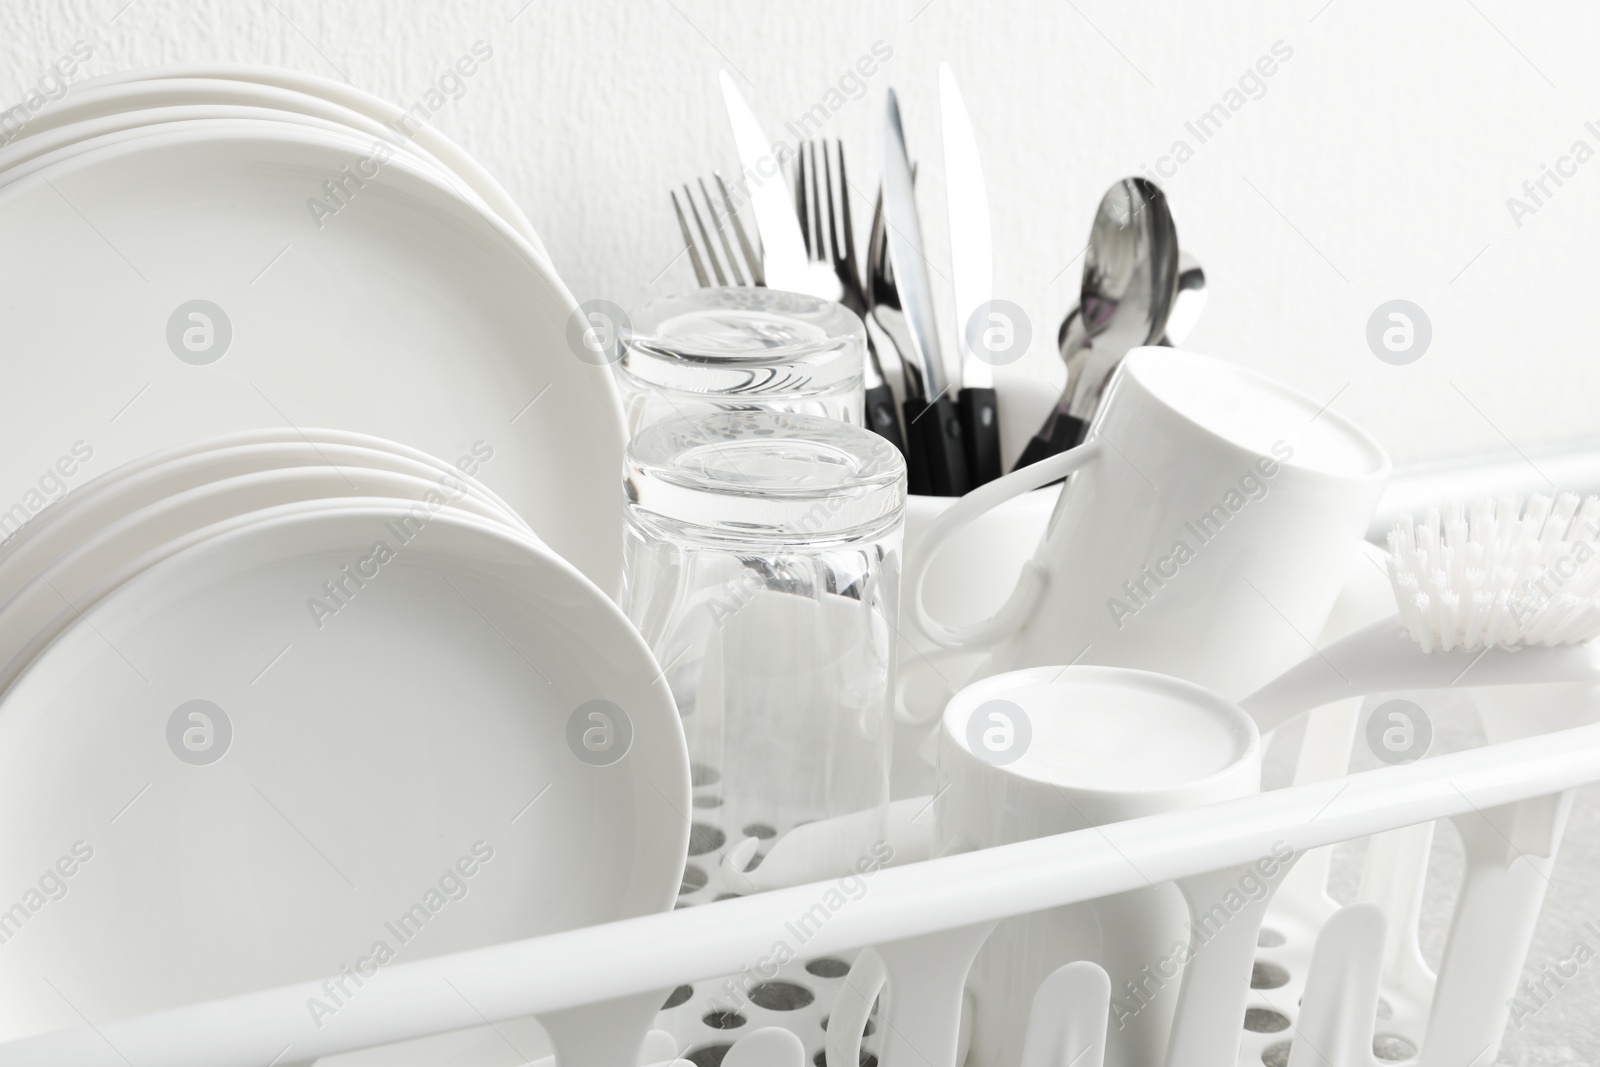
[1376, 165]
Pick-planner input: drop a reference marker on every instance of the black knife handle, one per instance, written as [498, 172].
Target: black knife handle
[1059, 433]
[980, 426]
[881, 416]
[918, 482]
[934, 433]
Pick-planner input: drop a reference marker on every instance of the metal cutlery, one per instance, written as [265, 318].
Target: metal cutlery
[830, 238]
[783, 253]
[1188, 302]
[883, 300]
[972, 270]
[1130, 278]
[803, 249]
[938, 460]
[708, 270]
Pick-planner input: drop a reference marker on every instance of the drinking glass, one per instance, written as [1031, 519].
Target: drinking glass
[741, 349]
[762, 565]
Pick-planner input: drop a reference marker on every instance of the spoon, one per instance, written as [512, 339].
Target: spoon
[1130, 279]
[1187, 303]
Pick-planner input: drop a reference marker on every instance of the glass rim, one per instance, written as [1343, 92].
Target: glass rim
[722, 477]
[835, 332]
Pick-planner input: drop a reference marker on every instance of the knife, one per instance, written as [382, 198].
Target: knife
[972, 267]
[933, 427]
[882, 418]
[783, 251]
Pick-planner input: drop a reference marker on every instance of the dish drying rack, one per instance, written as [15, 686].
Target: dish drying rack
[598, 990]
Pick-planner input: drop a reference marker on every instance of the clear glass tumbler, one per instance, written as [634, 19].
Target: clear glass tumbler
[763, 567]
[741, 349]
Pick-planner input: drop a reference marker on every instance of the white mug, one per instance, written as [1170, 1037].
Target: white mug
[1051, 750]
[1203, 533]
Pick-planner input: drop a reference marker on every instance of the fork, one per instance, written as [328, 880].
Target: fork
[705, 253]
[830, 239]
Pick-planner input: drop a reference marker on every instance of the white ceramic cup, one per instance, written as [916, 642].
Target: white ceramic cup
[1051, 750]
[1203, 533]
[965, 584]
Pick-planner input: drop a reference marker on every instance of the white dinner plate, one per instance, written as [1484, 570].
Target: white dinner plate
[98, 505]
[267, 86]
[423, 731]
[50, 598]
[86, 132]
[65, 138]
[408, 314]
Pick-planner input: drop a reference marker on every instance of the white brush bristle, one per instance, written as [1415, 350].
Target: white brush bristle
[1503, 572]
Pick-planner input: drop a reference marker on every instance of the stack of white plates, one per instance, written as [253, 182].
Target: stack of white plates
[283, 705]
[188, 252]
[278, 703]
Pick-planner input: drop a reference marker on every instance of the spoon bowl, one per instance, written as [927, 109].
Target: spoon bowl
[1131, 281]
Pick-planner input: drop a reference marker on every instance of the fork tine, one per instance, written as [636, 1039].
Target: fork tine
[802, 202]
[757, 274]
[821, 193]
[688, 240]
[833, 208]
[711, 253]
[722, 235]
[844, 216]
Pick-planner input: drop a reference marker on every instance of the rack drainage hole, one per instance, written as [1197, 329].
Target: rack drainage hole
[704, 838]
[1392, 1048]
[761, 831]
[1264, 1021]
[694, 879]
[723, 1020]
[1385, 1011]
[780, 996]
[1266, 975]
[1276, 1055]
[867, 1058]
[828, 967]
[707, 1055]
[678, 996]
[1269, 938]
[700, 774]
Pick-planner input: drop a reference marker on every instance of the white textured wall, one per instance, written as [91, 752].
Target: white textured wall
[1376, 165]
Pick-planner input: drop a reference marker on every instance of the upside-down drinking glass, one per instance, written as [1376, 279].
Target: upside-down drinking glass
[741, 349]
[762, 566]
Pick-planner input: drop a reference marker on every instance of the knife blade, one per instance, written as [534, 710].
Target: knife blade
[933, 430]
[783, 251]
[972, 270]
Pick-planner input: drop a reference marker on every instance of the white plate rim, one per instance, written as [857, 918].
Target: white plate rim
[105, 506]
[435, 143]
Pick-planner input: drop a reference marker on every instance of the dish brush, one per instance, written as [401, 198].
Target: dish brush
[1500, 592]
[1500, 572]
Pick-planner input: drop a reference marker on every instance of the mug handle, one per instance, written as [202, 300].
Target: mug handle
[1030, 583]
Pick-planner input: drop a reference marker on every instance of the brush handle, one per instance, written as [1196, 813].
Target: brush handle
[1383, 658]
